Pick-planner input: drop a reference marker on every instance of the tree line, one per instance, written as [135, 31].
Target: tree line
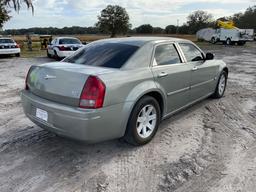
[114, 20]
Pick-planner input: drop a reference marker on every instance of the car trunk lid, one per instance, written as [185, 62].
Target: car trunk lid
[61, 82]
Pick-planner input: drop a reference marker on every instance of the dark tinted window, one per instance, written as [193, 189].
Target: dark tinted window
[112, 55]
[6, 41]
[191, 52]
[166, 54]
[69, 41]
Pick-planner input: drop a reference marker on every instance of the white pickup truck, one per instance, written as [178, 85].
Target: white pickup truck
[232, 36]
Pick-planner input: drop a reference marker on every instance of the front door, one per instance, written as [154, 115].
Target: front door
[203, 72]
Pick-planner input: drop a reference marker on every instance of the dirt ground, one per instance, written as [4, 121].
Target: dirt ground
[209, 147]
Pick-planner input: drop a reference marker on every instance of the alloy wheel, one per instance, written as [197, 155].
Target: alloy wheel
[146, 121]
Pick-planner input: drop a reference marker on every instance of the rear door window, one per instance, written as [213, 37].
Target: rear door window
[191, 52]
[166, 54]
[69, 41]
[6, 41]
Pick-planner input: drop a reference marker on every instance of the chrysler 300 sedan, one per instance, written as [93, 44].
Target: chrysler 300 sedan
[121, 88]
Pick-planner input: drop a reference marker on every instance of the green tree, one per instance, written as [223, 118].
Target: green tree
[171, 29]
[114, 20]
[158, 30]
[4, 14]
[246, 19]
[16, 4]
[199, 20]
[143, 29]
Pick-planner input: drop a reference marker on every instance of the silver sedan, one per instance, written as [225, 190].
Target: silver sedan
[121, 88]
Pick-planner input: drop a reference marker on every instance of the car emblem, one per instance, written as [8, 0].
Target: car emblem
[49, 77]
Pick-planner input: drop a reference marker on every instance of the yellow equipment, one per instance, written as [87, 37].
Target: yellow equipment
[226, 24]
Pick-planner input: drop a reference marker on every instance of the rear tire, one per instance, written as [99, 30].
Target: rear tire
[221, 85]
[228, 41]
[17, 55]
[143, 121]
[213, 41]
[56, 57]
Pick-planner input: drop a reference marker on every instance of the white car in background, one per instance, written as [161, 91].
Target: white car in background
[9, 47]
[62, 47]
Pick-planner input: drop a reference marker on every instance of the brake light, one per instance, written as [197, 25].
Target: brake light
[17, 46]
[93, 93]
[26, 81]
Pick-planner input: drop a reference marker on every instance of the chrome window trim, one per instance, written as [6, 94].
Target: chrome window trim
[153, 62]
[200, 50]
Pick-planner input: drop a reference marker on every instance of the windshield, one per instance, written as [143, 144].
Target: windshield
[6, 41]
[112, 55]
[69, 41]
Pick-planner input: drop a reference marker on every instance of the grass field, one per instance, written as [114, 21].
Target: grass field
[37, 52]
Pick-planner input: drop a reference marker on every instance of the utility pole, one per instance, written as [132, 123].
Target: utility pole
[178, 23]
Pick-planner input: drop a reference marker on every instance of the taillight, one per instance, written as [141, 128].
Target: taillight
[26, 81]
[93, 93]
[62, 48]
[17, 46]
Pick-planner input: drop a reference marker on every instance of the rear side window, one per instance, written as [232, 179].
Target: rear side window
[6, 41]
[111, 55]
[166, 55]
[191, 52]
[69, 41]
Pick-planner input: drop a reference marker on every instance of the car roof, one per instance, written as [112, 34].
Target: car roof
[67, 38]
[6, 38]
[140, 41]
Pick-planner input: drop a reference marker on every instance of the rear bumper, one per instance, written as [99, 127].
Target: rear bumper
[9, 51]
[85, 125]
[64, 54]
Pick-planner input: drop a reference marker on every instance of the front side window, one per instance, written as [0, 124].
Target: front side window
[191, 52]
[166, 54]
[112, 55]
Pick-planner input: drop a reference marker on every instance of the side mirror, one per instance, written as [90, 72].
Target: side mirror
[209, 56]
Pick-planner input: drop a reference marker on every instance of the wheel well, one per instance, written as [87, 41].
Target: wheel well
[159, 99]
[226, 70]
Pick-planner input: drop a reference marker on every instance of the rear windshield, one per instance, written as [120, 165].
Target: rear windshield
[111, 55]
[69, 41]
[6, 41]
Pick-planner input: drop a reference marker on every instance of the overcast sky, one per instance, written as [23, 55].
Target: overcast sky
[159, 13]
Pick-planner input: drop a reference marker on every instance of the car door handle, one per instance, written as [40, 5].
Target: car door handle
[162, 74]
[194, 69]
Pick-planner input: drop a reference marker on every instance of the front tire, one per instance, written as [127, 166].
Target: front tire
[143, 121]
[221, 86]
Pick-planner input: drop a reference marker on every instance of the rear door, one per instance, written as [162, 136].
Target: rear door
[172, 75]
[203, 72]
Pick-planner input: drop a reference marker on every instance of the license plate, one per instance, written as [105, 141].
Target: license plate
[41, 114]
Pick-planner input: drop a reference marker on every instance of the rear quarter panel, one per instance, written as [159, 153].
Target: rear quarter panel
[127, 87]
